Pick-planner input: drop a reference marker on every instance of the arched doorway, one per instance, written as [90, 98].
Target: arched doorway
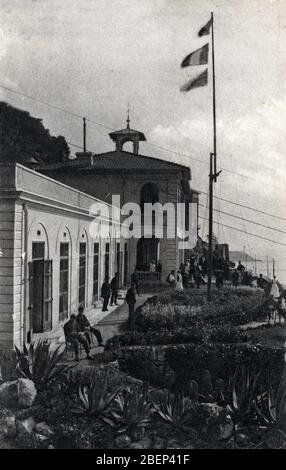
[149, 194]
[147, 251]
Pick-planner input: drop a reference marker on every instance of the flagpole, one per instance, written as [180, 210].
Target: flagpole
[84, 134]
[210, 254]
[213, 174]
[214, 97]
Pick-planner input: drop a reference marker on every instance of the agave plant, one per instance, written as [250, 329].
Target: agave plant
[173, 410]
[243, 391]
[95, 400]
[134, 410]
[271, 406]
[40, 363]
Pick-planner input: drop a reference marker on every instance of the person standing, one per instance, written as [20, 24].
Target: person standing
[105, 294]
[74, 336]
[185, 276]
[131, 301]
[234, 278]
[197, 277]
[152, 267]
[187, 266]
[114, 290]
[219, 278]
[159, 268]
[274, 291]
[86, 327]
[135, 281]
[261, 282]
[240, 267]
[171, 279]
[179, 282]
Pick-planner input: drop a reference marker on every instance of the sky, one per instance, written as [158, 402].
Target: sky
[93, 57]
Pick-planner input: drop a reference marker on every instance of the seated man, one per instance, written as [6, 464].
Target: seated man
[74, 336]
[85, 327]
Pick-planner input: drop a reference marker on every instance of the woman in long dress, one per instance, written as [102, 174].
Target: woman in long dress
[179, 282]
[274, 292]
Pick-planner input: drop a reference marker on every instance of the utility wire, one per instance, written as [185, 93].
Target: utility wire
[112, 129]
[246, 207]
[246, 220]
[42, 102]
[149, 143]
[225, 200]
[216, 197]
[243, 231]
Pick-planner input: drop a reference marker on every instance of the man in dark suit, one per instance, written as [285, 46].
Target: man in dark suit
[114, 289]
[105, 294]
[86, 327]
[131, 301]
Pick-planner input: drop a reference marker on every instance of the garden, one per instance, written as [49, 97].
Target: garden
[191, 375]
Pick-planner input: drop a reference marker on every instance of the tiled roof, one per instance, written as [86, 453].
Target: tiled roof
[118, 160]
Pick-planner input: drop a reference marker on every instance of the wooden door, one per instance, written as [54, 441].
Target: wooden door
[38, 295]
[47, 297]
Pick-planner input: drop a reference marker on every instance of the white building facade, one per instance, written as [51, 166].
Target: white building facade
[50, 260]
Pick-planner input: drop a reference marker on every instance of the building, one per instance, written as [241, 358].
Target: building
[57, 244]
[139, 179]
[50, 259]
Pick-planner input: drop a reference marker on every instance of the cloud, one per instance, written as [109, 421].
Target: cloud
[253, 145]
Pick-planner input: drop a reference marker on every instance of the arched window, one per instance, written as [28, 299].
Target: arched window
[149, 194]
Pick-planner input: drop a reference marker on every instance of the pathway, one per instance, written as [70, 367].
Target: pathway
[115, 322]
[112, 324]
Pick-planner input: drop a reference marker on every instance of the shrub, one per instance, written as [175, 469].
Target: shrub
[227, 333]
[95, 400]
[134, 411]
[176, 411]
[152, 338]
[237, 308]
[221, 359]
[139, 364]
[40, 363]
[164, 316]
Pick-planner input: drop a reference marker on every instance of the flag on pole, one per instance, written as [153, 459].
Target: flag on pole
[198, 57]
[205, 30]
[200, 80]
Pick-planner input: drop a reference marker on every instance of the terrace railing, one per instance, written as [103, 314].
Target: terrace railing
[148, 276]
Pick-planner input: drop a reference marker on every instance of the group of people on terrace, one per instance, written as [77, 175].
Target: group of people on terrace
[78, 330]
[183, 278]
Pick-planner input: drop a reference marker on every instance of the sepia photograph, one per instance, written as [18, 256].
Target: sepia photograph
[143, 227]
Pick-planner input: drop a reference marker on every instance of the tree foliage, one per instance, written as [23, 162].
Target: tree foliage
[23, 138]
